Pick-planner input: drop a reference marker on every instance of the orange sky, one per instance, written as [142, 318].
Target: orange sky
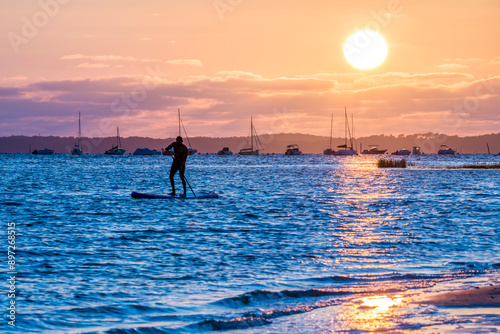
[133, 63]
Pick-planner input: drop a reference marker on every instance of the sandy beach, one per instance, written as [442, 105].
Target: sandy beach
[480, 296]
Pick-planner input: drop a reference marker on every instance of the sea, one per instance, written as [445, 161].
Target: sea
[293, 244]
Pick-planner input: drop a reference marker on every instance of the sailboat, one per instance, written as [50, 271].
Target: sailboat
[191, 150]
[330, 151]
[346, 150]
[117, 150]
[253, 137]
[78, 146]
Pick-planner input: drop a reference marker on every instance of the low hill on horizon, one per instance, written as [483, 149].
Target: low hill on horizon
[272, 143]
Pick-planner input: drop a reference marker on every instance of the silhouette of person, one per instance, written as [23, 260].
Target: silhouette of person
[179, 163]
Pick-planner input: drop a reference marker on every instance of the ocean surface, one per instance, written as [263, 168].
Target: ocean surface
[297, 244]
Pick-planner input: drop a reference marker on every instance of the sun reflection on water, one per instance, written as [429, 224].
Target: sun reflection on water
[381, 303]
[373, 313]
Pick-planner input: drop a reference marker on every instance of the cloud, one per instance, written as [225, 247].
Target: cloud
[106, 58]
[222, 104]
[190, 62]
[451, 67]
[94, 65]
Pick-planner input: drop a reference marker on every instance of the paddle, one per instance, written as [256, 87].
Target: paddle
[185, 178]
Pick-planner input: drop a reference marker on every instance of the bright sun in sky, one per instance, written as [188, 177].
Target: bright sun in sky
[365, 49]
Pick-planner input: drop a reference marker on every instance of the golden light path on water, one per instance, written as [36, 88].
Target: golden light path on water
[360, 242]
[365, 234]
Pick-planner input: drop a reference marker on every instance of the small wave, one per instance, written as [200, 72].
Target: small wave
[236, 323]
[254, 319]
[474, 267]
[141, 330]
[108, 309]
[371, 278]
[10, 203]
[264, 295]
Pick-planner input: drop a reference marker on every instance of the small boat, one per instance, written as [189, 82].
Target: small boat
[253, 137]
[116, 150]
[147, 151]
[330, 151]
[404, 151]
[445, 150]
[373, 149]
[45, 151]
[346, 151]
[78, 146]
[416, 151]
[191, 150]
[293, 150]
[225, 151]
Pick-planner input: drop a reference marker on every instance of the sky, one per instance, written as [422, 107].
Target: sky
[134, 63]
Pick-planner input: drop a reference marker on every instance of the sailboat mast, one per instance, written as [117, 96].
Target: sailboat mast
[251, 133]
[79, 132]
[345, 126]
[331, 132]
[179, 114]
[353, 138]
[118, 144]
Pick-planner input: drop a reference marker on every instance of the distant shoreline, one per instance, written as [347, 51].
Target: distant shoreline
[272, 143]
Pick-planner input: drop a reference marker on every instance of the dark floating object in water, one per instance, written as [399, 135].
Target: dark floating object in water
[496, 166]
[392, 163]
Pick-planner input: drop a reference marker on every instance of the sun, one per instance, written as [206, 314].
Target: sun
[365, 49]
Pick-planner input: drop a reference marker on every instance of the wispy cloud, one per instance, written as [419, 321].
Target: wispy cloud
[106, 58]
[190, 62]
[94, 65]
[451, 67]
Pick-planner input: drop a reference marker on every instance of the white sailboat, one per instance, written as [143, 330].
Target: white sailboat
[346, 150]
[330, 151]
[116, 150]
[191, 150]
[78, 146]
[253, 136]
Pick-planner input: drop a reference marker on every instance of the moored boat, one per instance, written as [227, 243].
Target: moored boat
[225, 151]
[146, 151]
[253, 137]
[78, 146]
[373, 149]
[446, 150]
[45, 151]
[416, 151]
[116, 150]
[404, 151]
[191, 150]
[346, 150]
[293, 150]
[330, 151]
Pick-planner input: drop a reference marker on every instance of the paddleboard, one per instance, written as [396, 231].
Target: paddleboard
[188, 196]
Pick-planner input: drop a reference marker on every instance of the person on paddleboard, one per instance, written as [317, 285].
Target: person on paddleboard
[179, 163]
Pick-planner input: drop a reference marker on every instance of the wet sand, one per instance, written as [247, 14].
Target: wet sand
[485, 296]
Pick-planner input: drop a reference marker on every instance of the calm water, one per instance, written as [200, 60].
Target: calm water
[294, 244]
